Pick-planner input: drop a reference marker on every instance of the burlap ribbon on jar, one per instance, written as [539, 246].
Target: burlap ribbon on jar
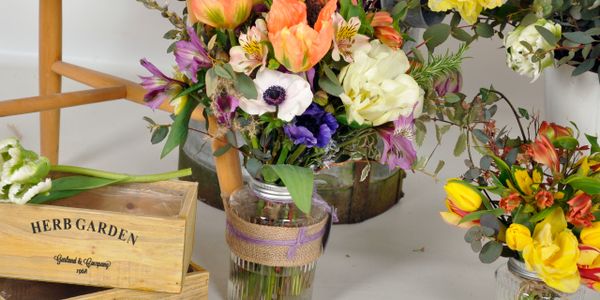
[273, 245]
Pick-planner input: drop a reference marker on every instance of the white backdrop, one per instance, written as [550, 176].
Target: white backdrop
[371, 260]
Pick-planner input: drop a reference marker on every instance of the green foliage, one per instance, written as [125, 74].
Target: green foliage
[179, 129]
[299, 181]
[438, 66]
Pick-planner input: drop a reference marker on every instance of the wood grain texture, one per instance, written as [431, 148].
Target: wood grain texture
[96, 79]
[229, 172]
[57, 101]
[50, 51]
[152, 244]
[195, 286]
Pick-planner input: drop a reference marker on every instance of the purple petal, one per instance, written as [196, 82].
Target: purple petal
[300, 135]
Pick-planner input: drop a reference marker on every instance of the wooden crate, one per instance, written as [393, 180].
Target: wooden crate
[195, 286]
[134, 236]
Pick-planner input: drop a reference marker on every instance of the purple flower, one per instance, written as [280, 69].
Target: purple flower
[191, 55]
[159, 86]
[398, 148]
[225, 106]
[450, 83]
[314, 127]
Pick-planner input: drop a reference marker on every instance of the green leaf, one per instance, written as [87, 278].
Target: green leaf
[477, 214]
[578, 37]
[524, 113]
[566, 142]
[481, 136]
[589, 185]
[541, 215]
[583, 67]
[593, 143]
[171, 34]
[222, 72]
[529, 19]
[461, 144]
[439, 167]
[246, 86]
[452, 98]
[179, 129]
[149, 120]
[484, 30]
[299, 182]
[43, 198]
[435, 35]
[547, 35]
[461, 35]
[81, 183]
[222, 150]
[490, 252]
[505, 173]
[420, 132]
[329, 73]
[159, 134]
[330, 87]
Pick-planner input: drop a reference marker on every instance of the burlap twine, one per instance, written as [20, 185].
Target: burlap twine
[252, 242]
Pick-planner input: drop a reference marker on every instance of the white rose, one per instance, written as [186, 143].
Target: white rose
[376, 87]
[520, 59]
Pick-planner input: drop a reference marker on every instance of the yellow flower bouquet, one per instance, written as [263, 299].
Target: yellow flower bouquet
[535, 200]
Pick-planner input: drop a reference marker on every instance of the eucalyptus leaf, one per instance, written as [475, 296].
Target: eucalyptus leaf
[330, 87]
[461, 144]
[547, 35]
[484, 30]
[435, 35]
[583, 67]
[222, 150]
[246, 86]
[159, 134]
[578, 37]
[490, 252]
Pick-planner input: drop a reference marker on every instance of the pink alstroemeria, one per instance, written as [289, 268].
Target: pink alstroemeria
[346, 38]
[252, 51]
[191, 55]
[398, 148]
[159, 86]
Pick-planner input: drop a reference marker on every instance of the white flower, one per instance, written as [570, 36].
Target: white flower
[288, 94]
[521, 59]
[346, 39]
[252, 51]
[377, 89]
[22, 173]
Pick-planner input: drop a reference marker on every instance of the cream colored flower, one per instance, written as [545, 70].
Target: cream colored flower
[376, 87]
[521, 59]
[252, 51]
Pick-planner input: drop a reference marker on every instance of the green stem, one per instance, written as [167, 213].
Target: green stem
[119, 176]
[254, 140]
[283, 156]
[296, 154]
[232, 39]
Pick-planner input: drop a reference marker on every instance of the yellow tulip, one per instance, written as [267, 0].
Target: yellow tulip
[554, 253]
[518, 236]
[591, 235]
[222, 14]
[462, 199]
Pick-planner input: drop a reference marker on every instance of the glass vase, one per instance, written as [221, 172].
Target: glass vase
[270, 205]
[515, 282]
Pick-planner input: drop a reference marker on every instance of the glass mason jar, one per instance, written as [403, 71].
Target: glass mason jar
[515, 282]
[270, 205]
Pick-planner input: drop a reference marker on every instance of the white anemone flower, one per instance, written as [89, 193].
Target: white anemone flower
[287, 94]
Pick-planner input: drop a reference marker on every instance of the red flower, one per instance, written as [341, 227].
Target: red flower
[511, 202]
[580, 213]
[543, 152]
[544, 199]
[552, 131]
[383, 23]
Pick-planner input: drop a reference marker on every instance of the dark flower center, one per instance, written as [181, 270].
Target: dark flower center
[274, 95]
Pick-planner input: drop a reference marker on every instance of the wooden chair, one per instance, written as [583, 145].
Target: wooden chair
[104, 87]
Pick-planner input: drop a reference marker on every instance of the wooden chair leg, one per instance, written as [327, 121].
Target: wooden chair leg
[229, 172]
[50, 51]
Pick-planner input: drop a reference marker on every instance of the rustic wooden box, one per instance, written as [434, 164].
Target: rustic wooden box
[195, 286]
[134, 236]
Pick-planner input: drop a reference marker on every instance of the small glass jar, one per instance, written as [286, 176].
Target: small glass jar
[270, 205]
[515, 282]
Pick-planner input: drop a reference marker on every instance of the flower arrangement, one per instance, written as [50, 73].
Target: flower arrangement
[534, 199]
[537, 34]
[24, 176]
[307, 84]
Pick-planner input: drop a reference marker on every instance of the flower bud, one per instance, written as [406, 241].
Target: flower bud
[518, 236]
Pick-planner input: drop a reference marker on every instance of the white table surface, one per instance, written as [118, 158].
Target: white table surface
[377, 259]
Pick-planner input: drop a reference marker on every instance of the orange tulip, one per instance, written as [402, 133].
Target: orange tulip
[552, 130]
[383, 23]
[297, 46]
[222, 14]
[543, 152]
